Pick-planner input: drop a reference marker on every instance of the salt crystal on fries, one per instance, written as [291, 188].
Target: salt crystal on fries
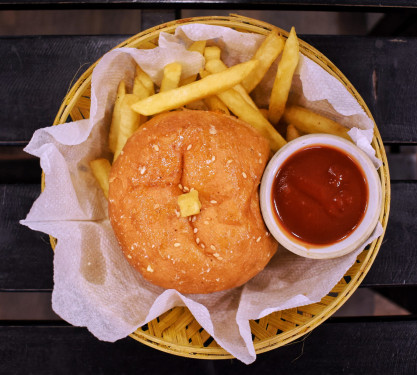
[311, 122]
[101, 171]
[266, 54]
[210, 85]
[283, 80]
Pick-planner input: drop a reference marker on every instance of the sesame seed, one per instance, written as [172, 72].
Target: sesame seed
[213, 158]
[206, 222]
[267, 234]
[156, 147]
[180, 186]
[122, 152]
[229, 161]
[203, 246]
[129, 256]
[189, 147]
[177, 213]
[192, 189]
[258, 239]
[89, 264]
[219, 258]
[177, 244]
[244, 175]
[149, 269]
[189, 218]
[156, 206]
[197, 240]
[212, 130]
[212, 247]
[218, 279]
[186, 188]
[216, 255]
[260, 161]
[195, 230]
[194, 219]
[142, 170]
[213, 201]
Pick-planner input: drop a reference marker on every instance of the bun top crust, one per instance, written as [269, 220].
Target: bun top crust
[223, 158]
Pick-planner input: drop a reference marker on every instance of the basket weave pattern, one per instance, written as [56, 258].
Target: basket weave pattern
[176, 331]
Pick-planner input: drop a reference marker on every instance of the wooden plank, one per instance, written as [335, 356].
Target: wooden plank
[237, 4]
[373, 346]
[36, 72]
[396, 262]
[16, 166]
[383, 72]
[26, 257]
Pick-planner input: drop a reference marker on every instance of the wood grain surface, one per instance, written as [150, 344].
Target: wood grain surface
[240, 4]
[36, 73]
[355, 346]
[26, 256]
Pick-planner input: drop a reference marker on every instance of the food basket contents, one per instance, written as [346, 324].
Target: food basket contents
[153, 196]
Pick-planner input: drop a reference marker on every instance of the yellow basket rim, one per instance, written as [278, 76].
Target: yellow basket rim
[250, 25]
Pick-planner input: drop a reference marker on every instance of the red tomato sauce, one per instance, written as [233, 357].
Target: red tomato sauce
[320, 195]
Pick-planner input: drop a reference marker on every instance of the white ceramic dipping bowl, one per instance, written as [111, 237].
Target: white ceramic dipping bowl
[362, 231]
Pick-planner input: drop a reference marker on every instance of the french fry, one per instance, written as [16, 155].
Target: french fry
[115, 123]
[266, 54]
[252, 116]
[139, 89]
[217, 66]
[148, 45]
[101, 171]
[213, 102]
[199, 47]
[264, 112]
[292, 133]
[145, 79]
[283, 79]
[197, 105]
[311, 122]
[171, 78]
[129, 122]
[212, 53]
[216, 105]
[210, 85]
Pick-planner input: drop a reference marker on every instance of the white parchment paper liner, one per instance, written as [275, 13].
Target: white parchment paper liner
[94, 286]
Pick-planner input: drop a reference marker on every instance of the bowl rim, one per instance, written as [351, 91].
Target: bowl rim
[367, 224]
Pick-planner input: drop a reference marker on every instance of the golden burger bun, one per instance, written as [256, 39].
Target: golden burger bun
[221, 157]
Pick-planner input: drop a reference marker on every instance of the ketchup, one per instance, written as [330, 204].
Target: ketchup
[320, 195]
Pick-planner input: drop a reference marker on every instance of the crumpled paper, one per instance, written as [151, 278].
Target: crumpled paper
[94, 285]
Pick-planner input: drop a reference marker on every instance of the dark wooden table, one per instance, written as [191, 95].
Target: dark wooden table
[35, 73]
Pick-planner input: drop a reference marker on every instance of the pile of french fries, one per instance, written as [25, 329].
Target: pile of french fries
[222, 89]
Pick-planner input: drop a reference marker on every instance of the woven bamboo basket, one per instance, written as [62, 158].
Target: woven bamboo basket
[176, 331]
